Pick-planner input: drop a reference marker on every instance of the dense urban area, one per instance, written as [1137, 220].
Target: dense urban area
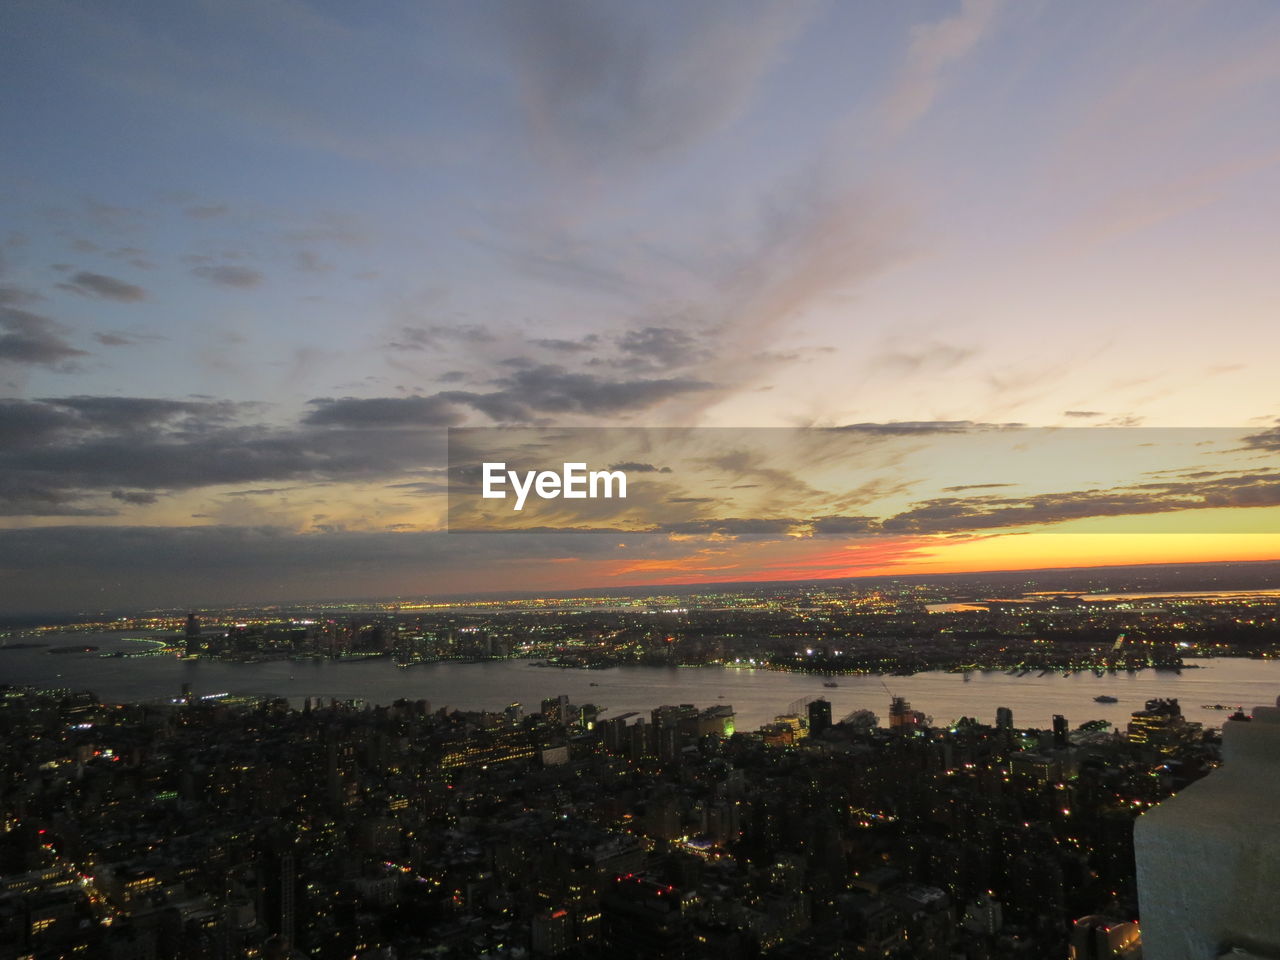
[235, 826]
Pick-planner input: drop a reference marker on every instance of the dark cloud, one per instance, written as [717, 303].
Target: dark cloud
[134, 497]
[30, 338]
[23, 497]
[732, 526]
[103, 287]
[975, 486]
[631, 466]
[114, 340]
[662, 346]
[555, 390]
[436, 335]
[383, 412]
[955, 514]
[922, 427]
[844, 526]
[588, 342]
[1266, 440]
[230, 275]
[128, 414]
[65, 454]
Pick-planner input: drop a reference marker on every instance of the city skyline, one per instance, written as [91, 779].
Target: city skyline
[257, 259]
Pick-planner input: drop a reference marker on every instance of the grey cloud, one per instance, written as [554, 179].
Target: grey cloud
[1265, 440]
[134, 497]
[634, 467]
[838, 526]
[383, 412]
[921, 427]
[952, 514]
[1081, 413]
[103, 287]
[663, 346]
[608, 83]
[230, 275]
[59, 453]
[29, 338]
[114, 340]
[432, 337]
[552, 389]
[568, 346]
[139, 413]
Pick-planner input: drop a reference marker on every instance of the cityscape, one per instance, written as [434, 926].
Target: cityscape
[219, 824]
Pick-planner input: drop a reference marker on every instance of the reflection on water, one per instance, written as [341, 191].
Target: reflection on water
[756, 695]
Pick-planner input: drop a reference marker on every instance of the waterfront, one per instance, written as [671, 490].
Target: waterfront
[756, 695]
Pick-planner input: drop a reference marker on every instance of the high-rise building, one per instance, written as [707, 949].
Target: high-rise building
[1060, 730]
[1208, 858]
[819, 716]
[1004, 718]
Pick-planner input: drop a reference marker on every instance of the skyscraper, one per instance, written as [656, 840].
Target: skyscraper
[819, 716]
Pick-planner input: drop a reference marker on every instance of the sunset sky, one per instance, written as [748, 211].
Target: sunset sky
[256, 257]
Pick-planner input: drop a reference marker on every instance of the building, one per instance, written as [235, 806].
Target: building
[1160, 725]
[819, 716]
[1103, 938]
[1208, 858]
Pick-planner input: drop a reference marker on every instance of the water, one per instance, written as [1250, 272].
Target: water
[756, 695]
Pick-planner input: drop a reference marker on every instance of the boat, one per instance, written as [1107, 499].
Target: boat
[1104, 698]
[1217, 706]
[830, 683]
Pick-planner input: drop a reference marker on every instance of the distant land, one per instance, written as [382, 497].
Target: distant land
[1157, 577]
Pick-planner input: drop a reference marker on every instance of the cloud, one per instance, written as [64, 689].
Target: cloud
[114, 340]
[383, 412]
[617, 84]
[134, 497]
[588, 342]
[103, 287]
[924, 427]
[230, 275]
[30, 338]
[1082, 413]
[432, 337]
[662, 347]
[551, 389]
[934, 49]
[634, 467]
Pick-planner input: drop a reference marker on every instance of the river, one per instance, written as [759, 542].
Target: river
[756, 695]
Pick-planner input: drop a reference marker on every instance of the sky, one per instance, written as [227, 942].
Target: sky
[257, 257]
